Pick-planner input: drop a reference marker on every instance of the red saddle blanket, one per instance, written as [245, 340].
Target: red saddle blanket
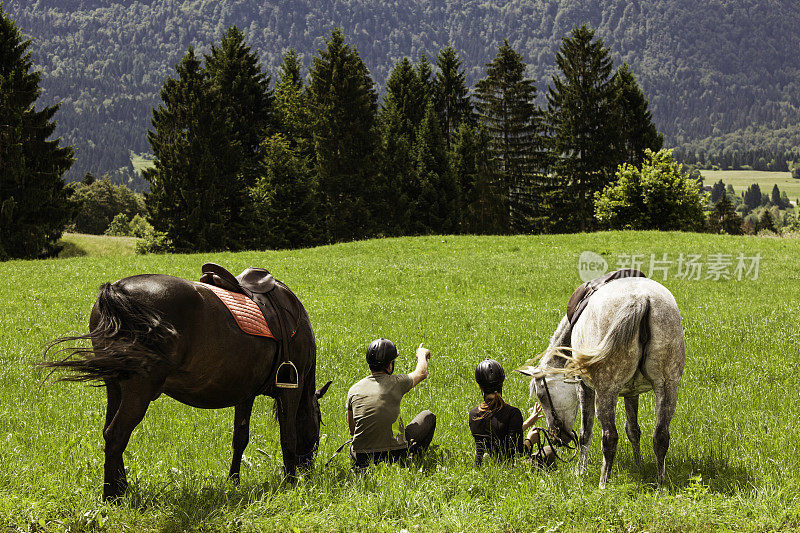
[244, 310]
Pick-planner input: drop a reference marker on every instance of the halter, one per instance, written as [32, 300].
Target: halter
[572, 444]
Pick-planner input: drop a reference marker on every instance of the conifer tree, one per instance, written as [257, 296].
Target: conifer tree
[506, 107]
[724, 218]
[344, 104]
[482, 210]
[241, 88]
[292, 114]
[408, 94]
[425, 75]
[33, 203]
[193, 177]
[285, 197]
[434, 210]
[581, 125]
[451, 95]
[400, 118]
[635, 128]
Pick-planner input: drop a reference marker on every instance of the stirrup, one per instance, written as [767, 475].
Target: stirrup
[286, 376]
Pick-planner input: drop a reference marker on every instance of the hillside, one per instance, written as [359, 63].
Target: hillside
[710, 69]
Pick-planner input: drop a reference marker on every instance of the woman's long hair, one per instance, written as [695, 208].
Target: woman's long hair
[492, 402]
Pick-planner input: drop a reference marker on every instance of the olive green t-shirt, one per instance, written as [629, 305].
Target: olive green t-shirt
[375, 402]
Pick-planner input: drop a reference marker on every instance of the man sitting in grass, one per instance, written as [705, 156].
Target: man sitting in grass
[373, 405]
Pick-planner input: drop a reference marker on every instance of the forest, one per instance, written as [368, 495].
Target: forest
[722, 77]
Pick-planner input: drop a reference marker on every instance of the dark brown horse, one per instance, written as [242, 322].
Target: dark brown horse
[154, 334]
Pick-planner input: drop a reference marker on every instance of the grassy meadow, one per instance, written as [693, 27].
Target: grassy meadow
[742, 179]
[81, 244]
[733, 462]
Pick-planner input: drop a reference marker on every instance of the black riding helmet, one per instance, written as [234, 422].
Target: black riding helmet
[380, 353]
[490, 375]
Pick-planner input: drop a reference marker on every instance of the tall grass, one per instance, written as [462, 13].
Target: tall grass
[733, 459]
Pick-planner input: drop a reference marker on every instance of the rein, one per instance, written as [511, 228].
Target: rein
[572, 444]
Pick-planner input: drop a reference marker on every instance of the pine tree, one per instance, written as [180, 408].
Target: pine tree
[717, 192]
[192, 179]
[481, 208]
[775, 197]
[401, 114]
[33, 203]
[505, 105]
[400, 186]
[285, 197]
[242, 90]
[408, 94]
[434, 210]
[425, 75]
[292, 113]
[451, 95]
[724, 219]
[344, 105]
[635, 128]
[581, 124]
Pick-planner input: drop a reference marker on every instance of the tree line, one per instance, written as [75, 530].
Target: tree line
[716, 77]
[241, 164]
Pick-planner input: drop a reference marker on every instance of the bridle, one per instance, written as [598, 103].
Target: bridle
[551, 436]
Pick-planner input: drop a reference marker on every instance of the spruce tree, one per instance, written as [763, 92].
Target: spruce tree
[285, 197]
[451, 95]
[33, 203]
[506, 108]
[241, 88]
[408, 94]
[401, 114]
[192, 179]
[292, 113]
[581, 125]
[344, 105]
[481, 210]
[724, 218]
[434, 210]
[635, 128]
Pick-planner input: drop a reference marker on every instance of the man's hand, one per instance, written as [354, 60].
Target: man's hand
[423, 352]
[421, 372]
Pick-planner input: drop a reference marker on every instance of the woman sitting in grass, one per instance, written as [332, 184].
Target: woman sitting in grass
[497, 426]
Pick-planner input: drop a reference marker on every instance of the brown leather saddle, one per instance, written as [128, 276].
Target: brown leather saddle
[280, 307]
[579, 299]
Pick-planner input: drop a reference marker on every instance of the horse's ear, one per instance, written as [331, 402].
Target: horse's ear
[528, 370]
[321, 392]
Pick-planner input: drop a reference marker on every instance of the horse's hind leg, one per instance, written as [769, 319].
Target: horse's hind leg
[606, 405]
[241, 435]
[113, 397]
[632, 425]
[134, 398]
[666, 400]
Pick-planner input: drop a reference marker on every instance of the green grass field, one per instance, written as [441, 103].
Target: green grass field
[733, 462]
[80, 244]
[141, 162]
[742, 179]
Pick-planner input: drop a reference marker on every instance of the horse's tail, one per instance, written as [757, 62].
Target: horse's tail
[128, 338]
[630, 324]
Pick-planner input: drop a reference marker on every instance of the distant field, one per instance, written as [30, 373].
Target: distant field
[742, 179]
[141, 162]
[733, 461]
[79, 244]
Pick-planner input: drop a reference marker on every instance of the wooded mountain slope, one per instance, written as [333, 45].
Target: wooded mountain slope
[710, 68]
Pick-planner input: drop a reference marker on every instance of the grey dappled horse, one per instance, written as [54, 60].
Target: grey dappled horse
[628, 340]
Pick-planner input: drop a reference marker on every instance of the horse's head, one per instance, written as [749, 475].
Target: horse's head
[559, 399]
